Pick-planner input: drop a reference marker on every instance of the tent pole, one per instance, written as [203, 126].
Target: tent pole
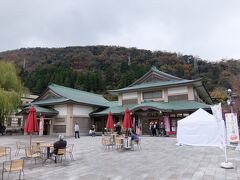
[225, 152]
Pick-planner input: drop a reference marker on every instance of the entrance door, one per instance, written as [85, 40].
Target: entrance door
[145, 125]
[46, 127]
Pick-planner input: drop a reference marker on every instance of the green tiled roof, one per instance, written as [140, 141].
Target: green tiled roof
[153, 85]
[173, 106]
[188, 105]
[115, 109]
[50, 101]
[43, 110]
[163, 106]
[79, 96]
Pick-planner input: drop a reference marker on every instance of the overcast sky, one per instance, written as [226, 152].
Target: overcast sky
[209, 29]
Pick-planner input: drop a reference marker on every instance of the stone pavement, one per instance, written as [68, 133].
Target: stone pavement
[159, 159]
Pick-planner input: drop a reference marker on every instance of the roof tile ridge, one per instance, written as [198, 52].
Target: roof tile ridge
[77, 90]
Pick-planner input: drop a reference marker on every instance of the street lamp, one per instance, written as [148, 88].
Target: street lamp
[230, 100]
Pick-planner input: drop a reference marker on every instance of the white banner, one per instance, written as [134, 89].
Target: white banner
[41, 123]
[232, 127]
[217, 113]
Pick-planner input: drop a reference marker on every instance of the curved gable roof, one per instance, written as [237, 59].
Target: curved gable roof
[155, 71]
[70, 94]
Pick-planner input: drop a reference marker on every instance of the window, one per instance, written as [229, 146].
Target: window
[59, 128]
[152, 95]
[129, 101]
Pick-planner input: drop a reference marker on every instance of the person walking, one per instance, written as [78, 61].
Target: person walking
[76, 129]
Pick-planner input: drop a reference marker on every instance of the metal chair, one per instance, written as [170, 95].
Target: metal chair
[31, 155]
[107, 142]
[36, 148]
[118, 143]
[13, 166]
[69, 150]
[19, 146]
[4, 152]
[137, 143]
[60, 154]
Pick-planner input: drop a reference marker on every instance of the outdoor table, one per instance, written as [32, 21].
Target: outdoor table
[38, 142]
[48, 146]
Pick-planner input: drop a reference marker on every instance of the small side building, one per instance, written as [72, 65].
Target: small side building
[15, 121]
[61, 107]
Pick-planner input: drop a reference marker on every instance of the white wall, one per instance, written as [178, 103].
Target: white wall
[130, 96]
[178, 90]
[62, 109]
[81, 110]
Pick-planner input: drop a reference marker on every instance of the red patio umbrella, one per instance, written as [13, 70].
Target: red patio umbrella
[110, 124]
[127, 121]
[31, 124]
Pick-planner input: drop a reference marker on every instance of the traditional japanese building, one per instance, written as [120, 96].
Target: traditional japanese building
[155, 97]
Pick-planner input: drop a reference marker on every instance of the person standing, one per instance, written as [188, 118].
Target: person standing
[162, 129]
[76, 129]
[151, 128]
[156, 129]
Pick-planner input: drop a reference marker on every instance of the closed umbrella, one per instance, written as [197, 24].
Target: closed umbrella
[31, 124]
[127, 124]
[127, 121]
[110, 124]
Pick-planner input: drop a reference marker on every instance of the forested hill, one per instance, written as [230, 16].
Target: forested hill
[100, 68]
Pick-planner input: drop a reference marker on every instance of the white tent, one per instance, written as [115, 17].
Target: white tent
[199, 129]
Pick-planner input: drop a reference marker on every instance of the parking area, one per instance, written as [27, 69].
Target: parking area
[159, 158]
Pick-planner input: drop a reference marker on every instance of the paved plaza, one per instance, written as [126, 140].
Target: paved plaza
[159, 159]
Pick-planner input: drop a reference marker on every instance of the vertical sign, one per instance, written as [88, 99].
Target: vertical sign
[217, 113]
[166, 123]
[41, 122]
[232, 127]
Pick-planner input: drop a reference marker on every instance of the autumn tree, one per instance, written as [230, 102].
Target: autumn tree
[219, 94]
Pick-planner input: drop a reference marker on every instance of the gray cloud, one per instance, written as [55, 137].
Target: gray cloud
[208, 29]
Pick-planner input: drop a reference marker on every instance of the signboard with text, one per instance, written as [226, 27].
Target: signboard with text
[232, 127]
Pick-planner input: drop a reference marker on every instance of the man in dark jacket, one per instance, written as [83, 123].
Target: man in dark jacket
[118, 128]
[61, 144]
